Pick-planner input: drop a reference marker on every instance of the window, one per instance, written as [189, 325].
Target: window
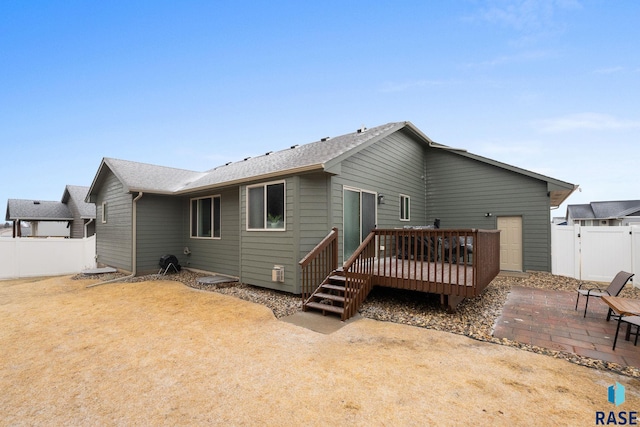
[405, 208]
[265, 207]
[205, 217]
[104, 212]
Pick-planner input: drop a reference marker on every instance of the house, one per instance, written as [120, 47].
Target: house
[611, 213]
[83, 213]
[71, 217]
[256, 218]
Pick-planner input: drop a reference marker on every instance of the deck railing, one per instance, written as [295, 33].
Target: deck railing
[456, 263]
[487, 263]
[319, 263]
[459, 262]
[358, 271]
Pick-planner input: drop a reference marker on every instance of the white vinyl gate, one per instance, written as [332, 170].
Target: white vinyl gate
[595, 253]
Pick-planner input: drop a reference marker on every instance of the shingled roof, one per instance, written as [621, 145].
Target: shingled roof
[78, 193]
[316, 155]
[37, 210]
[320, 155]
[137, 176]
[604, 210]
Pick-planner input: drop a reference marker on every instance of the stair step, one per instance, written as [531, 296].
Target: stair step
[331, 297]
[333, 287]
[337, 278]
[325, 307]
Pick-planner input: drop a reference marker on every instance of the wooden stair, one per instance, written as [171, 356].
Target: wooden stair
[329, 297]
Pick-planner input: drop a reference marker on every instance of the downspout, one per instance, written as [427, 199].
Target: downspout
[134, 237]
[134, 229]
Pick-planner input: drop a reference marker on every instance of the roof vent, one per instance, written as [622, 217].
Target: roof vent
[228, 163]
[294, 146]
[268, 152]
[325, 138]
[362, 129]
[246, 158]
[36, 202]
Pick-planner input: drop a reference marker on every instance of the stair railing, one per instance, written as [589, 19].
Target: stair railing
[358, 271]
[319, 263]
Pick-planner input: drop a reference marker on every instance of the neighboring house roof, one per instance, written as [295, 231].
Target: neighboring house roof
[324, 155]
[78, 194]
[604, 210]
[36, 210]
[44, 210]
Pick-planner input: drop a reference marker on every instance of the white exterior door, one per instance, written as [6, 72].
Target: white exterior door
[510, 242]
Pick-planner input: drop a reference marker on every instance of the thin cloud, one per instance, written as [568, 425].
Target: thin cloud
[587, 121]
[409, 85]
[528, 56]
[529, 20]
[525, 15]
[610, 70]
[511, 149]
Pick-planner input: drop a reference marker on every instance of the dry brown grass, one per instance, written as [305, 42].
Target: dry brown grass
[160, 353]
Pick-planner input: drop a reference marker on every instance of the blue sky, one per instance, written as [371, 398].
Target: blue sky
[549, 86]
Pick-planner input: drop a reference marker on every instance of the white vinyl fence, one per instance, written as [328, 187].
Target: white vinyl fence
[31, 257]
[595, 253]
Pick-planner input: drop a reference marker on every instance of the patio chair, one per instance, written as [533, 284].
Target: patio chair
[613, 290]
[630, 321]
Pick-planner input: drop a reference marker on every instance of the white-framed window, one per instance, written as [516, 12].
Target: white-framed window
[104, 212]
[266, 206]
[205, 217]
[405, 208]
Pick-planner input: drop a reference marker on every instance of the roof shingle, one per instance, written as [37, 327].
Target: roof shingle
[35, 210]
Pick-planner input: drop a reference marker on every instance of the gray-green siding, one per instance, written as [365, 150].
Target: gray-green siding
[260, 251]
[113, 244]
[461, 191]
[159, 230]
[441, 184]
[217, 255]
[392, 166]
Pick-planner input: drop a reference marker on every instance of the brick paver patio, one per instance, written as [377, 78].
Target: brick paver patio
[547, 318]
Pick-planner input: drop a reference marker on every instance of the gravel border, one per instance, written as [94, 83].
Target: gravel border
[474, 318]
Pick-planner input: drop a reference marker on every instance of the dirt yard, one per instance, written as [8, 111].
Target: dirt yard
[160, 353]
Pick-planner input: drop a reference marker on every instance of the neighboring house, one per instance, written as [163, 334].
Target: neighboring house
[247, 217]
[614, 213]
[84, 213]
[71, 217]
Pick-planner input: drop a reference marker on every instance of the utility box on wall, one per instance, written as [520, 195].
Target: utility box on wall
[277, 274]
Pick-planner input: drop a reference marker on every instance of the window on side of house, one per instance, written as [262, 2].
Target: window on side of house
[205, 217]
[405, 208]
[104, 212]
[266, 207]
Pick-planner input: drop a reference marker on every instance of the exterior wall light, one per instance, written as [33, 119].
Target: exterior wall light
[381, 199]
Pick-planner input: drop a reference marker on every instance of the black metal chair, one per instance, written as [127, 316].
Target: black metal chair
[630, 321]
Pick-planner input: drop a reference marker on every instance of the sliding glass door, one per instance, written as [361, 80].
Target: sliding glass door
[359, 218]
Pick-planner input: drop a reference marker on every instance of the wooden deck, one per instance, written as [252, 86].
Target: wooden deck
[417, 276]
[455, 264]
